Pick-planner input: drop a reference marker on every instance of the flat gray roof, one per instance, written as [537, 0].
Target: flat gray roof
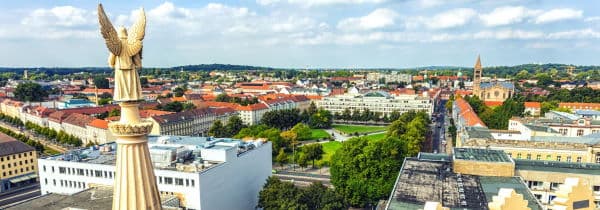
[556, 166]
[485, 155]
[97, 198]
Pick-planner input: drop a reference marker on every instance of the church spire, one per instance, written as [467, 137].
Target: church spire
[477, 71]
[478, 63]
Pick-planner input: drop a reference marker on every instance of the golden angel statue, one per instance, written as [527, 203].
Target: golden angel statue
[125, 55]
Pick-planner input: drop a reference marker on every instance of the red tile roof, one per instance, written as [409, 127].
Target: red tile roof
[100, 91]
[579, 105]
[533, 105]
[78, 119]
[98, 123]
[468, 114]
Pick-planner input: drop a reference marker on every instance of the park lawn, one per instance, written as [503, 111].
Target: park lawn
[319, 134]
[361, 129]
[329, 149]
[375, 136]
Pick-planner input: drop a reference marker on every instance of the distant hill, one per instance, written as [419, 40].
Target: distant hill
[213, 67]
[490, 70]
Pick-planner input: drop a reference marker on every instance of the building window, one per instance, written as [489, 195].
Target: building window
[518, 155]
[569, 159]
[62, 170]
[193, 183]
[554, 185]
[98, 173]
[580, 132]
[558, 158]
[44, 167]
[187, 182]
[551, 197]
[178, 181]
[160, 180]
[168, 180]
[528, 156]
[579, 159]
[598, 157]
[54, 182]
[548, 157]
[596, 188]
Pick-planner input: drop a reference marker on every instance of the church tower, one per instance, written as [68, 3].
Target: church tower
[477, 71]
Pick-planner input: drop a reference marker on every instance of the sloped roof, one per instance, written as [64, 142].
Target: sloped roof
[98, 123]
[78, 119]
[533, 105]
[9, 145]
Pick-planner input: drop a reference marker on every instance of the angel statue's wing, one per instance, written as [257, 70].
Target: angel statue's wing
[136, 33]
[108, 32]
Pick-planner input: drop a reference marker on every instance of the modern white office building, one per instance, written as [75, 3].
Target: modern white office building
[203, 172]
[377, 101]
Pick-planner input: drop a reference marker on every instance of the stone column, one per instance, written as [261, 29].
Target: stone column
[135, 183]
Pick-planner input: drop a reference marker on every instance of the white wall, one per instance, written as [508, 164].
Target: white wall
[231, 185]
[235, 184]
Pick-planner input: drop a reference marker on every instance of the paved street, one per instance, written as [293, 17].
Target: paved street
[439, 127]
[19, 195]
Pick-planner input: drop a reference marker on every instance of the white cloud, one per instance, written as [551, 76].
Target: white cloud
[450, 19]
[541, 45]
[267, 2]
[558, 15]
[592, 19]
[65, 16]
[311, 3]
[507, 15]
[508, 34]
[575, 34]
[429, 3]
[377, 19]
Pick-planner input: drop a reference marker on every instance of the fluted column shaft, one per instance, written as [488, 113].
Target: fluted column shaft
[135, 183]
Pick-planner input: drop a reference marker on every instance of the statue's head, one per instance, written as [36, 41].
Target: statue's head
[122, 33]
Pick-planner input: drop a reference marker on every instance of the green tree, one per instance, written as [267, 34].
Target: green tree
[302, 131]
[217, 130]
[282, 157]
[114, 112]
[30, 91]
[363, 171]
[234, 125]
[313, 152]
[179, 91]
[321, 119]
[276, 194]
[101, 82]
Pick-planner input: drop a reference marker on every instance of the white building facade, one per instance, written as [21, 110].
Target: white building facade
[215, 182]
[381, 102]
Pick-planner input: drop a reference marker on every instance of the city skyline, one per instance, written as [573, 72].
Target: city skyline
[313, 34]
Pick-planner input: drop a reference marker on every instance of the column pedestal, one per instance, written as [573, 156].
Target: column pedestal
[135, 183]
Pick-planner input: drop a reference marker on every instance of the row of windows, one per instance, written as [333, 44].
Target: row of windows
[8, 157]
[176, 181]
[15, 164]
[66, 183]
[16, 171]
[82, 172]
[110, 175]
[548, 157]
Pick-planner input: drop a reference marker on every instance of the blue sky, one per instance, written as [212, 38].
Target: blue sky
[309, 33]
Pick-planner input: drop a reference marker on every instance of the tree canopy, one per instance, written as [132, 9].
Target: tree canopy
[363, 171]
[277, 194]
[30, 91]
